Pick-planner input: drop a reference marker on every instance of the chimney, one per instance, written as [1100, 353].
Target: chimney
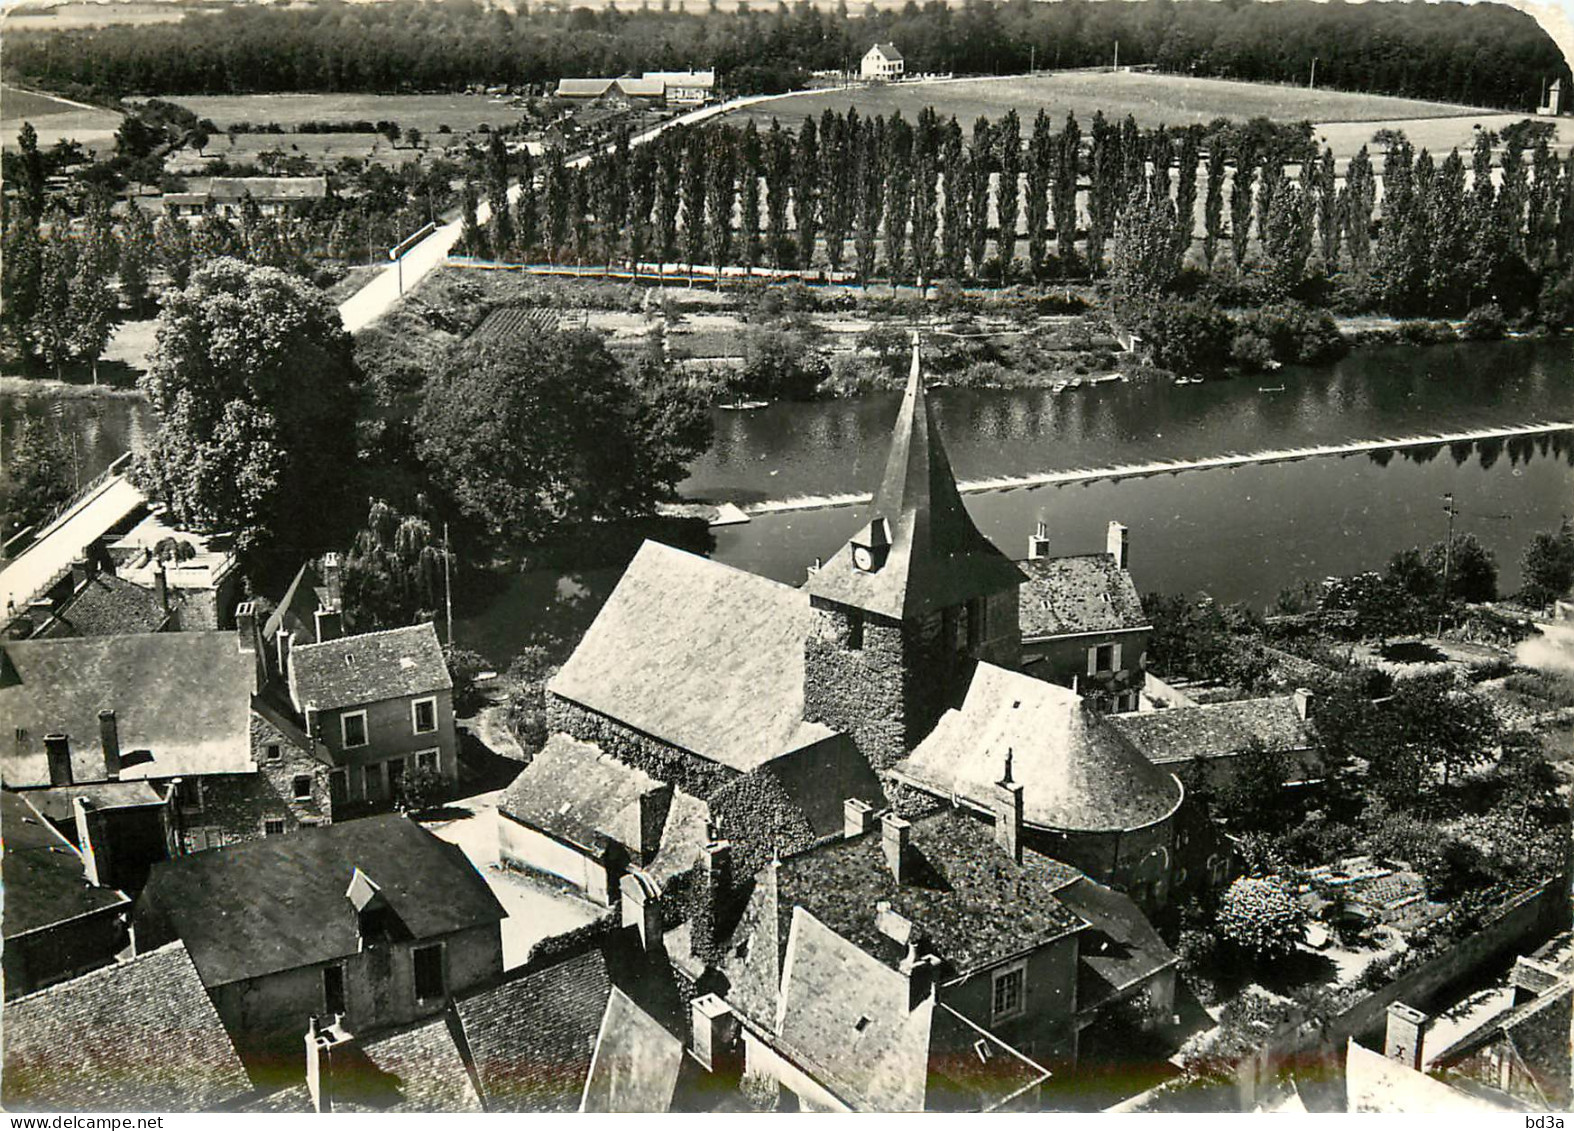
[57, 749]
[161, 586]
[857, 816]
[893, 842]
[330, 624]
[332, 581]
[1303, 703]
[82, 571]
[920, 972]
[1406, 1035]
[640, 907]
[1119, 544]
[711, 893]
[716, 1035]
[93, 842]
[246, 626]
[1038, 545]
[283, 644]
[109, 738]
[1008, 813]
[654, 805]
[324, 1045]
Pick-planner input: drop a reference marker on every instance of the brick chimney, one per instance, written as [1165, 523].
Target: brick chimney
[333, 580]
[857, 816]
[653, 806]
[325, 1046]
[893, 842]
[711, 892]
[717, 1035]
[246, 626]
[109, 738]
[57, 750]
[640, 907]
[1118, 544]
[1406, 1035]
[283, 641]
[1038, 544]
[330, 624]
[1008, 813]
[1304, 698]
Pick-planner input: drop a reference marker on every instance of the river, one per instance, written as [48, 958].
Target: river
[1239, 532]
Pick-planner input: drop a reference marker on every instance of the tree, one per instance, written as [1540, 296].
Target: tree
[1287, 242]
[33, 178]
[806, 192]
[1213, 201]
[90, 310]
[1260, 915]
[50, 328]
[1145, 256]
[979, 166]
[694, 193]
[1472, 570]
[1241, 203]
[779, 365]
[136, 257]
[254, 386]
[1186, 193]
[1548, 566]
[898, 160]
[721, 194]
[953, 207]
[172, 249]
[1008, 192]
[1068, 155]
[1040, 179]
[38, 475]
[21, 274]
[393, 573]
[524, 432]
[750, 155]
[870, 200]
[778, 181]
[1358, 199]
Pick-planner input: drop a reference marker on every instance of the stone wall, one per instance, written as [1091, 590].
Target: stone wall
[687, 771]
[858, 690]
[281, 760]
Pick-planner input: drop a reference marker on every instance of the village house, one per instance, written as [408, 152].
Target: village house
[199, 572]
[92, 601]
[59, 920]
[1204, 743]
[139, 1036]
[653, 88]
[1082, 622]
[376, 920]
[882, 63]
[227, 197]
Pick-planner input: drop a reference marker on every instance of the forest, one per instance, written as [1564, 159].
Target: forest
[1474, 54]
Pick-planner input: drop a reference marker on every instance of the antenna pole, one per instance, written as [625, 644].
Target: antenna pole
[448, 588]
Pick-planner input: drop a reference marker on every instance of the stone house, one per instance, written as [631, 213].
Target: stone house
[227, 196]
[373, 920]
[882, 63]
[1208, 739]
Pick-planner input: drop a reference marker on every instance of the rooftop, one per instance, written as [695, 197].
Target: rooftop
[58, 803]
[636, 1063]
[532, 1038]
[578, 794]
[106, 605]
[1076, 771]
[45, 882]
[699, 655]
[183, 697]
[368, 668]
[192, 561]
[936, 557]
[1077, 594]
[1120, 948]
[297, 609]
[1179, 734]
[888, 50]
[141, 1036]
[268, 188]
[262, 906]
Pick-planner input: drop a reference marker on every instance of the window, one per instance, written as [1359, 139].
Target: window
[855, 631]
[273, 826]
[333, 990]
[426, 760]
[976, 611]
[1103, 658]
[189, 794]
[273, 752]
[352, 726]
[428, 972]
[424, 715]
[1009, 998]
[302, 785]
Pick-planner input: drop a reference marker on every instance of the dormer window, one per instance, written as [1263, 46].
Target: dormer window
[871, 545]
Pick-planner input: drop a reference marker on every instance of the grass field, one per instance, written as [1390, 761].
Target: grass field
[61, 17]
[460, 112]
[54, 119]
[1153, 99]
[323, 149]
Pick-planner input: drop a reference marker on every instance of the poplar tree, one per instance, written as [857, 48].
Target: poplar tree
[749, 157]
[953, 208]
[1213, 201]
[21, 270]
[49, 330]
[1040, 179]
[669, 164]
[1241, 202]
[694, 191]
[806, 192]
[721, 195]
[642, 201]
[1068, 156]
[979, 166]
[1449, 248]
[1103, 188]
[1008, 209]
[172, 249]
[1359, 198]
[527, 228]
[836, 173]
[1325, 190]
[778, 182]
[926, 203]
[1186, 191]
[871, 196]
[898, 159]
[90, 312]
[136, 257]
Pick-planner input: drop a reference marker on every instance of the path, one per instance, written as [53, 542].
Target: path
[64, 540]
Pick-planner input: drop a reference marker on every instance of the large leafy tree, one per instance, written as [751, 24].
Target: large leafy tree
[1548, 565]
[526, 432]
[38, 475]
[254, 385]
[393, 574]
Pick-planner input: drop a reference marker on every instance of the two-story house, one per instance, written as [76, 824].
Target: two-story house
[882, 63]
[376, 920]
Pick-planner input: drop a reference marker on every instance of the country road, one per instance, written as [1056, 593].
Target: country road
[375, 299]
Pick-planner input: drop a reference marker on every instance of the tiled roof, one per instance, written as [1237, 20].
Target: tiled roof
[279, 903]
[1179, 734]
[848, 1018]
[974, 904]
[1119, 949]
[264, 189]
[583, 88]
[936, 558]
[531, 1038]
[1077, 773]
[1075, 594]
[575, 792]
[183, 696]
[107, 605]
[636, 1063]
[699, 655]
[368, 668]
[888, 50]
[44, 878]
[141, 1036]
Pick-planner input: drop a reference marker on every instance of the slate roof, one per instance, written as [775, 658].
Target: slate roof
[184, 696]
[699, 655]
[1077, 772]
[1210, 730]
[1376, 1084]
[578, 794]
[974, 904]
[45, 883]
[266, 189]
[1076, 594]
[531, 1038]
[937, 557]
[971, 1069]
[107, 605]
[298, 607]
[636, 1064]
[888, 50]
[1119, 950]
[368, 668]
[141, 1036]
[262, 906]
[58, 803]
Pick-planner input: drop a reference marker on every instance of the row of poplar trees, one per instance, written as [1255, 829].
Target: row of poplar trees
[872, 196]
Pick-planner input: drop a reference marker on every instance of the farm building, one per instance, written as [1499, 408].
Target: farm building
[882, 62]
[666, 88]
[225, 196]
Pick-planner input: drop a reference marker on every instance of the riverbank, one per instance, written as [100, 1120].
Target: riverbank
[14, 386]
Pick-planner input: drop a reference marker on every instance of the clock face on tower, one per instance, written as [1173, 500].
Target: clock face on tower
[863, 558]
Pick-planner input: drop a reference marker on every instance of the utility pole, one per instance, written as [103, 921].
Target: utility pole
[1448, 557]
[1116, 67]
[1032, 59]
[1312, 82]
[448, 589]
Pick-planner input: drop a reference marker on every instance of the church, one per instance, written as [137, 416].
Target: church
[895, 673]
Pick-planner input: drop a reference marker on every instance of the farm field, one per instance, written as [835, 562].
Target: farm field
[323, 149]
[55, 119]
[426, 112]
[1153, 99]
[62, 17]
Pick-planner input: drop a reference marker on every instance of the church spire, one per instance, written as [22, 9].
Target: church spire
[920, 550]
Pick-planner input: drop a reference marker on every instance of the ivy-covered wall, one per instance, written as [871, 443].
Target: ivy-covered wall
[689, 772]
